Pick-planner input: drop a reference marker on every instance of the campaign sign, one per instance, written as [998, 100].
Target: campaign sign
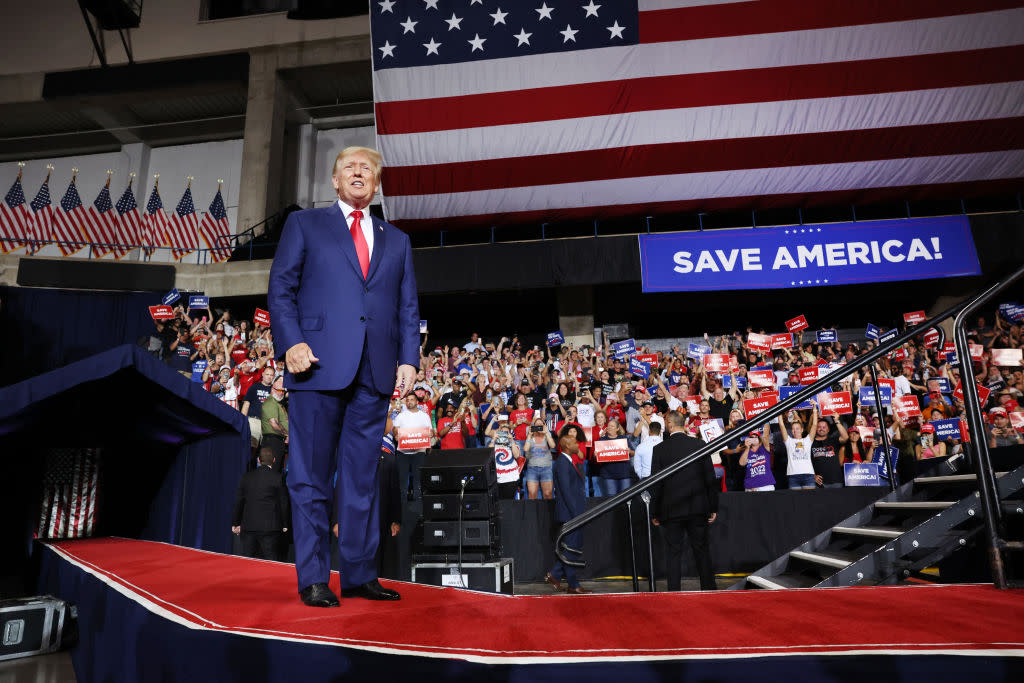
[761, 378]
[198, 302]
[741, 382]
[906, 407]
[951, 358]
[711, 429]
[827, 254]
[883, 468]
[413, 438]
[423, 327]
[787, 391]
[914, 317]
[161, 312]
[983, 393]
[807, 375]
[614, 450]
[888, 335]
[931, 338]
[756, 406]
[1017, 421]
[947, 429]
[716, 362]
[976, 351]
[170, 297]
[556, 338]
[782, 341]
[867, 396]
[822, 336]
[796, 324]
[759, 342]
[861, 474]
[872, 331]
[697, 351]
[943, 384]
[623, 348]
[837, 403]
[639, 368]
[649, 358]
[1007, 358]
[899, 354]
[693, 404]
[949, 347]
[1012, 312]
[887, 382]
[198, 367]
[261, 317]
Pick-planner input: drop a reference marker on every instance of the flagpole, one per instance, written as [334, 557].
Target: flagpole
[131, 179]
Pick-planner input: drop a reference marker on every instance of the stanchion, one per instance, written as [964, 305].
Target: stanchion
[632, 544]
[646, 498]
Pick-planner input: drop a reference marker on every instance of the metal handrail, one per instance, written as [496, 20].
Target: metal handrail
[780, 408]
[975, 422]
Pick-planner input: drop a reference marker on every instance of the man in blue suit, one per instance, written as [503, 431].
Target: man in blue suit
[343, 308]
[570, 500]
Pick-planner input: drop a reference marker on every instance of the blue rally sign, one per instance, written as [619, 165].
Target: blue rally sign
[623, 348]
[556, 338]
[170, 297]
[867, 396]
[815, 255]
[198, 302]
[861, 474]
[639, 368]
[872, 331]
[826, 336]
[947, 429]
[697, 351]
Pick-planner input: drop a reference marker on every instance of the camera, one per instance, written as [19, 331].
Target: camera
[536, 428]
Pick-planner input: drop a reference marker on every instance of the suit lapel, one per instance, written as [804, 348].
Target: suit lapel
[339, 232]
[379, 241]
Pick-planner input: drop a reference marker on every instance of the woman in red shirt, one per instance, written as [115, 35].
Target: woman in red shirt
[519, 420]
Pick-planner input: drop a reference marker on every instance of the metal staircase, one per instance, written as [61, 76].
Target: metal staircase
[894, 538]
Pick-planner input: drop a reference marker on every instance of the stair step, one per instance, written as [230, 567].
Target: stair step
[952, 478]
[871, 531]
[818, 558]
[762, 582]
[916, 505]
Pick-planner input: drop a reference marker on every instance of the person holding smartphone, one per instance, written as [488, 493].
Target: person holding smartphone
[538, 473]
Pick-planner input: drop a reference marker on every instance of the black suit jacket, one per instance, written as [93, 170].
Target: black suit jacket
[261, 503]
[570, 495]
[691, 491]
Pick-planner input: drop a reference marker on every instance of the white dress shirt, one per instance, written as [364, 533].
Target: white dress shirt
[366, 224]
[643, 455]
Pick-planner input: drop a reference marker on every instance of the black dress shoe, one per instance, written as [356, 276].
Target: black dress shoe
[371, 590]
[318, 595]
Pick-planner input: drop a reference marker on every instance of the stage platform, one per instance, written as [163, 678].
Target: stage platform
[153, 611]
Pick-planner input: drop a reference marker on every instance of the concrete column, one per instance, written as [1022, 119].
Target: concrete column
[576, 314]
[306, 166]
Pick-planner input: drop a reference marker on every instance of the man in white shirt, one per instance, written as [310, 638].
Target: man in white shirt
[473, 344]
[410, 459]
[903, 385]
[642, 456]
[585, 410]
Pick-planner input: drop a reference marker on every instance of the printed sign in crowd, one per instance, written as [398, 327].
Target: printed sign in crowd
[261, 317]
[612, 450]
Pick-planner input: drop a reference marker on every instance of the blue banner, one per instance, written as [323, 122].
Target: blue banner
[872, 331]
[623, 348]
[947, 429]
[943, 383]
[170, 297]
[638, 368]
[826, 336]
[423, 327]
[788, 390]
[556, 338]
[867, 396]
[816, 255]
[197, 370]
[861, 474]
[697, 351]
[883, 468]
[951, 358]
[888, 335]
[198, 302]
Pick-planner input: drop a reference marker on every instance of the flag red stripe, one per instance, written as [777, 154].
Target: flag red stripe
[806, 81]
[710, 155]
[747, 203]
[773, 16]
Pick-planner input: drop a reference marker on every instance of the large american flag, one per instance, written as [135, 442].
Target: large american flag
[41, 231]
[494, 111]
[70, 488]
[15, 219]
[131, 223]
[215, 230]
[155, 223]
[102, 223]
[68, 220]
[184, 226]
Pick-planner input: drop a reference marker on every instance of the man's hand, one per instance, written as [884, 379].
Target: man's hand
[818, 480]
[395, 528]
[404, 380]
[655, 522]
[712, 517]
[236, 530]
[299, 358]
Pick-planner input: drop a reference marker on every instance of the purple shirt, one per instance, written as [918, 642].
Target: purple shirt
[759, 471]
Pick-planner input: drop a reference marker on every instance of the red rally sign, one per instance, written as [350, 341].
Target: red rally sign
[756, 406]
[914, 317]
[615, 450]
[836, 403]
[797, 324]
[161, 312]
[261, 317]
[782, 341]
[761, 378]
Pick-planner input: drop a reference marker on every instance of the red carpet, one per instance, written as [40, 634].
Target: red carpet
[257, 598]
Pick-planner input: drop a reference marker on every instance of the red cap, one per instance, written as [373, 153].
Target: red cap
[927, 428]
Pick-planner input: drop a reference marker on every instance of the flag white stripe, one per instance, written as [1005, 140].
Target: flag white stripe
[719, 122]
[732, 183]
[94, 475]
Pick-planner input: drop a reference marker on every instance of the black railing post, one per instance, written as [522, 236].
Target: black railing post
[632, 545]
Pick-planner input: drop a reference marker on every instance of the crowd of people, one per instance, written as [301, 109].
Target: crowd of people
[521, 399]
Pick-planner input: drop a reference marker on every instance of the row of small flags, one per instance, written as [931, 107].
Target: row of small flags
[106, 227]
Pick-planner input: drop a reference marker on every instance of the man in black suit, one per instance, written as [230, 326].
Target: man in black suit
[262, 510]
[570, 500]
[686, 502]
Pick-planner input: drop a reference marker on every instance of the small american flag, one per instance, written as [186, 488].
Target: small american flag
[42, 218]
[15, 219]
[68, 220]
[70, 486]
[102, 224]
[184, 226]
[155, 222]
[215, 230]
[131, 222]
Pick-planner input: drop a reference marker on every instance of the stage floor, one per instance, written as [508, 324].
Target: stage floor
[257, 599]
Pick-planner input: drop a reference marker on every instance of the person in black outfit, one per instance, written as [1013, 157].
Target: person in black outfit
[686, 502]
[262, 510]
[390, 511]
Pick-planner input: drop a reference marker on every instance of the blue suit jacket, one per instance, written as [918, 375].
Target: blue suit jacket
[317, 295]
[570, 495]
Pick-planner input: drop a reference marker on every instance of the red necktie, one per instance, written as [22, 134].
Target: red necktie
[362, 251]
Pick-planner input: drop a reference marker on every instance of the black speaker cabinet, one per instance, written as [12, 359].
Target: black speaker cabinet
[476, 533]
[475, 505]
[443, 471]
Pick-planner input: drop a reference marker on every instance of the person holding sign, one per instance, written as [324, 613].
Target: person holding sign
[756, 459]
[507, 458]
[1002, 433]
[408, 428]
[799, 468]
[615, 476]
[538, 461]
[684, 504]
